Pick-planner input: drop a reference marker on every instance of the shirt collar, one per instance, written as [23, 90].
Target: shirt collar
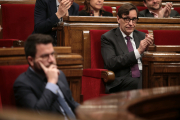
[57, 3]
[124, 35]
[155, 14]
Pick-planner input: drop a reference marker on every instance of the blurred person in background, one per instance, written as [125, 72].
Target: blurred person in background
[94, 8]
[155, 9]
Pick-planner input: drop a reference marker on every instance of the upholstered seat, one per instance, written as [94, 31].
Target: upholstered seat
[8, 76]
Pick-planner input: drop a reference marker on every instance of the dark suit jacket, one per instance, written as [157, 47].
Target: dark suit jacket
[45, 18]
[30, 92]
[116, 56]
[146, 13]
[104, 13]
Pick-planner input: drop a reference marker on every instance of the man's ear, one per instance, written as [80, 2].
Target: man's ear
[30, 61]
[144, 4]
[118, 18]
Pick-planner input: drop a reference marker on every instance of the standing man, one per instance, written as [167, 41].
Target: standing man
[49, 12]
[154, 9]
[121, 49]
[43, 87]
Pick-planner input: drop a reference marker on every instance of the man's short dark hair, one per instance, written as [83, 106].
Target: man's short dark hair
[33, 40]
[144, 1]
[125, 8]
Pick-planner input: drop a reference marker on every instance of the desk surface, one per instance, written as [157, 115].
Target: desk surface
[157, 103]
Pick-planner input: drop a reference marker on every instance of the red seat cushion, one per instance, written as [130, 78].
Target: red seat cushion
[8, 76]
[166, 37]
[17, 20]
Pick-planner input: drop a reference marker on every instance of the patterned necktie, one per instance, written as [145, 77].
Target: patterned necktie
[134, 69]
[66, 109]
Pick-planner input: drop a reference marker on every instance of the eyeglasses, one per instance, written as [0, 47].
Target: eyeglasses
[46, 56]
[127, 20]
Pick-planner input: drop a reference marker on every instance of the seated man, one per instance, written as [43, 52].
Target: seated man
[48, 13]
[43, 87]
[121, 49]
[154, 9]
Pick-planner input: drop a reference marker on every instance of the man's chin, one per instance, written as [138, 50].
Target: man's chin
[156, 7]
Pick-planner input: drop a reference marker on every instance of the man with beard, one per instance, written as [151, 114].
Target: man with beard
[155, 9]
[43, 87]
[121, 49]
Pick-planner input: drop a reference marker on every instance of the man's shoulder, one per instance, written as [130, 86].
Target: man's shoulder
[110, 32]
[22, 78]
[174, 13]
[143, 13]
[75, 4]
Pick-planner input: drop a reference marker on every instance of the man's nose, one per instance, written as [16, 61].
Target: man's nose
[130, 22]
[51, 58]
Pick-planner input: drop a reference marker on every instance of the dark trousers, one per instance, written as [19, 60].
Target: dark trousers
[128, 83]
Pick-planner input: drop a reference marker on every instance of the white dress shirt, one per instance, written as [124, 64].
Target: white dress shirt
[137, 55]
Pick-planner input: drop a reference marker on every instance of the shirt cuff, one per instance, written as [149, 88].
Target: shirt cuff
[52, 87]
[137, 54]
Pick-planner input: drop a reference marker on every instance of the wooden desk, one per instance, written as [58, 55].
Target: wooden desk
[69, 63]
[161, 66]
[150, 104]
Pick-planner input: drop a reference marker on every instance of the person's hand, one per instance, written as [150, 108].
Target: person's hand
[144, 44]
[63, 8]
[51, 72]
[161, 12]
[168, 10]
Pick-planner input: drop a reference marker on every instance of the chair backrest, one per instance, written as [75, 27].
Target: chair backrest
[145, 31]
[6, 42]
[81, 7]
[166, 37]
[106, 8]
[96, 57]
[140, 8]
[8, 76]
[177, 9]
[17, 20]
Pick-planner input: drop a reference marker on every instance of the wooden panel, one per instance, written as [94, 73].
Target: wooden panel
[75, 85]
[86, 49]
[161, 69]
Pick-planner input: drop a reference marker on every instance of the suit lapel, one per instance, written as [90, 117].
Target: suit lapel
[136, 39]
[121, 41]
[36, 81]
